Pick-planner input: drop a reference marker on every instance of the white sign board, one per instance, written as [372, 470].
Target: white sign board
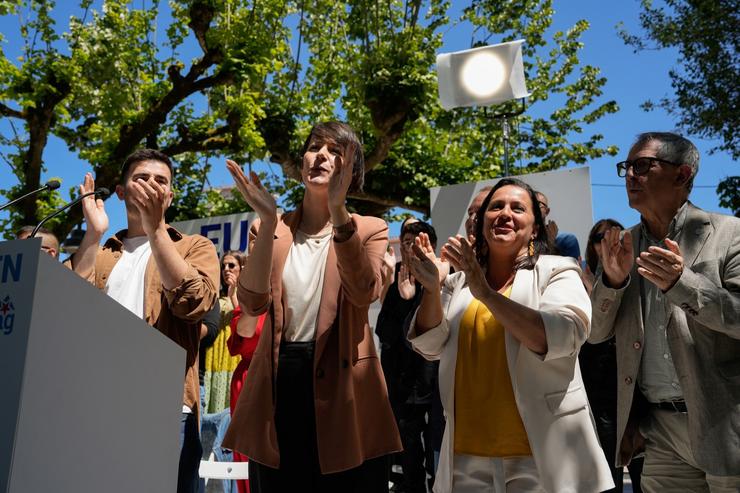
[568, 191]
[226, 232]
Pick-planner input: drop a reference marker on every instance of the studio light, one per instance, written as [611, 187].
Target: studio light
[481, 76]
[484, 76]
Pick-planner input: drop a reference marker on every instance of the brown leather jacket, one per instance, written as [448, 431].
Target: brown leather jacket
[175, 313]
[354, 421]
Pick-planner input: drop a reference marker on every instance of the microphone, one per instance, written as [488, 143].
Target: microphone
[50, 185]
[102, 192]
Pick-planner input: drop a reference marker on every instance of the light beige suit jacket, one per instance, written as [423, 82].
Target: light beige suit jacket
[703, 336]
[548, 389]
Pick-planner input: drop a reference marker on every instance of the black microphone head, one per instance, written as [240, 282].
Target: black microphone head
[102, 192]
[53, 184]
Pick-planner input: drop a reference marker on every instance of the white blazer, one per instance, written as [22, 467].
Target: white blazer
[548, 388]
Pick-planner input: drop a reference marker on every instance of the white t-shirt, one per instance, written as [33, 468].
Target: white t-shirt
[126, 281]
[303, 282]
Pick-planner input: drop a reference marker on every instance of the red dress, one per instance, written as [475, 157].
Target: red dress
[243, 346]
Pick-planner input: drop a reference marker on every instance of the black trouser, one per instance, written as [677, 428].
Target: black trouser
[606, 426]
[190, 453]
[417, 458]
[295, 423]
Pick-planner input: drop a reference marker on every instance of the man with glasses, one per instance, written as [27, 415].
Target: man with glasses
[669, 289]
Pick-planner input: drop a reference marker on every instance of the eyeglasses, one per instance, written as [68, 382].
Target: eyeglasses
[640, 166]
[597, 237]
[229, 265]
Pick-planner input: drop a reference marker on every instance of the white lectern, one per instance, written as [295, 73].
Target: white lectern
[91, 394]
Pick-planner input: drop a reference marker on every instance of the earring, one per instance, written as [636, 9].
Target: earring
[531, 248]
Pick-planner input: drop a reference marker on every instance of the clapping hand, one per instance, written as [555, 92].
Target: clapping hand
[151, 200]
[459, 251]
[406, 283]
[93, 208]
[660, 266]
[424, 264]
[341, 179]
[617, 256]
[254, 193]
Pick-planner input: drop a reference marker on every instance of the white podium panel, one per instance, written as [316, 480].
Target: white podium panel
[92, 394]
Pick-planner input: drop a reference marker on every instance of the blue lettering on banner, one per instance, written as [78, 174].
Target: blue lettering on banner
[7, 316]
[223, 241]
[11, 268]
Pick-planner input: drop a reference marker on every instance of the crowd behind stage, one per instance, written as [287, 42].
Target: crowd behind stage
[514, 361]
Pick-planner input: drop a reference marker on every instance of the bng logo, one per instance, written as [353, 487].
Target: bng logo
[7, 316]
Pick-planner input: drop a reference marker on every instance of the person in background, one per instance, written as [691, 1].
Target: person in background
[565, 244]
[219, 362]
[599, 369]
[506, 327]
[472, 211]
[411, 380]
[669, 290]
[245, 335]
[49, 241]
[314, 414]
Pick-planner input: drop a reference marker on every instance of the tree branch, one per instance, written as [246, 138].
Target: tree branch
[11, 113]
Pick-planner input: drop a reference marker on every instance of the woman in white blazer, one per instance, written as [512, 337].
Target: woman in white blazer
[538, 309]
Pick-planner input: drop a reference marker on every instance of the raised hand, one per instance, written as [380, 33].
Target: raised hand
[254, 193]
[617, 257]
[341, 179]
[151, 200]
[406, 283]
[461, 254]
[423, 268]
[93, 208]
[660, 266]
[443, 267]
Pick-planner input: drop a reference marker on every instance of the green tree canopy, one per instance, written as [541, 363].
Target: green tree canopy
[705, 96]
[116, 79]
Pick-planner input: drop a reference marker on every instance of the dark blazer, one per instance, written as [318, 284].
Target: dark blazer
[354, 421]
[703, 336]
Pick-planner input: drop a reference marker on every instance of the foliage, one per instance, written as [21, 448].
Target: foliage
[705, 88]
[116, 79]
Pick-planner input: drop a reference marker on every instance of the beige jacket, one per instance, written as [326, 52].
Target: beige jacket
[703, 336]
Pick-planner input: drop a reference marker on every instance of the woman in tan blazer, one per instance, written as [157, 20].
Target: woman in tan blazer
[314, 415]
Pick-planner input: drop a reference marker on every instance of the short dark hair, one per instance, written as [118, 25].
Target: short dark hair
[140, 155]
[420, 227]
[540, 240]
[342, 134]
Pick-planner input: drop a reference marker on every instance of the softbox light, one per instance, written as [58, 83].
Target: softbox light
[481, 76]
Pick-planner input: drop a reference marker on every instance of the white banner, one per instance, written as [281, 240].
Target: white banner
[226, 232]
[568, 191]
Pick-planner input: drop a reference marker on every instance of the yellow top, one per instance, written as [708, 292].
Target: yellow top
[487, 421]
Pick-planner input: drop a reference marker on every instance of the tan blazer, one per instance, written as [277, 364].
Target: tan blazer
[703, 336]
[354, 421]
[548, 389]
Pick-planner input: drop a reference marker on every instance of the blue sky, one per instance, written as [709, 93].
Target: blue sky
[632, 78]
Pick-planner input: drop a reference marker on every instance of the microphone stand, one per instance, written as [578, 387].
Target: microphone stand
[104, 192]
[50, 185]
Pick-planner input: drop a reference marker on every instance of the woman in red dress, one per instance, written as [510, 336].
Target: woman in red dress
[245, 334]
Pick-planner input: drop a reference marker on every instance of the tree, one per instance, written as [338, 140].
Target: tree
[249, 94]
[706, 94]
